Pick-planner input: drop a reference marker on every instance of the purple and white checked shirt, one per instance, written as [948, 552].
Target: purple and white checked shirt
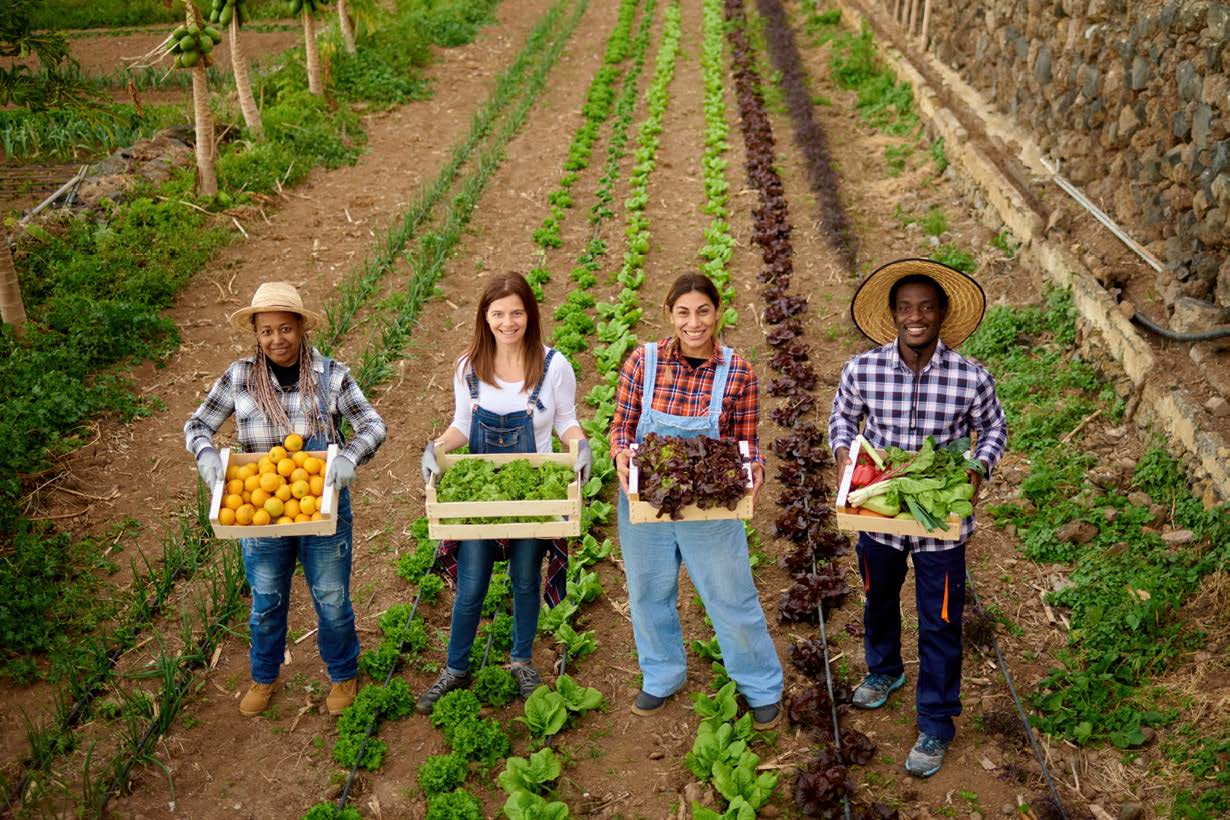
[951, 398]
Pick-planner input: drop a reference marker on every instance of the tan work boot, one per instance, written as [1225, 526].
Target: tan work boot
[341, 695]
[257, 698]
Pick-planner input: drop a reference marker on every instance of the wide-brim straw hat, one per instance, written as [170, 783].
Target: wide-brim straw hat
[275, 297]
[966, 301]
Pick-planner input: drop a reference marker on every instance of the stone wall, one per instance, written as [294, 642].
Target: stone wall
[1133, 98]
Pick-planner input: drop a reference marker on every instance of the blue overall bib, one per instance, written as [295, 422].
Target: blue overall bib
[270, 565]
[495, 433]
[715, 554]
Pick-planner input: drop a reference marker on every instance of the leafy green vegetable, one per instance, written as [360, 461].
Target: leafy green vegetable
[495, 686]
[455, 707]
[480, 740]
[442, 773]
[578, 699]
[458, 804]
[373, 704]
[545, 712]
[532, 774]
[523, 805]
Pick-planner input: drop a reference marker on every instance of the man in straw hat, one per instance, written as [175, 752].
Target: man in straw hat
[913, 386]
[288, 387]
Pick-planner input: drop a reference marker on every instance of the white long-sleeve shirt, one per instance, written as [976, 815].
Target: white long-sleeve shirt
[558, 396]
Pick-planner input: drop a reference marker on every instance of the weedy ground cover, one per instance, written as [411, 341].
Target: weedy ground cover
[1126, 582]
[69, 14]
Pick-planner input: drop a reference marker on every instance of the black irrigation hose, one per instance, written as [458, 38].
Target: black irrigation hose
[1174, 335]
[1020, 710]
[563, 667]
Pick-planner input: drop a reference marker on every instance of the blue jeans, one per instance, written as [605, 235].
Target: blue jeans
[715, 554]
[939, 590]
[270, 565]
[475, 560]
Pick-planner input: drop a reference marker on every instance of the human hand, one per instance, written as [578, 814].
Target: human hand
[975, 478]
[843, 461]
[623, 463]
[757, 479]
[429, 465]
[209, 466]
[341, 474]
[585, 459]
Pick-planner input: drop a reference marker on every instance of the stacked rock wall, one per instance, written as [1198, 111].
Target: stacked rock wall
[1132, 97]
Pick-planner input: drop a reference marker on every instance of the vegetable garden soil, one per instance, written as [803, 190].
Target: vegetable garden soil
[619, 765]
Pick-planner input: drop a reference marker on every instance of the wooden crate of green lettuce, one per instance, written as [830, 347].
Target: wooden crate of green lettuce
[513, 495]
[896, 492]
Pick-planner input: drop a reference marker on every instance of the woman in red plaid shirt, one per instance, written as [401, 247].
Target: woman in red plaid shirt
[688, 385]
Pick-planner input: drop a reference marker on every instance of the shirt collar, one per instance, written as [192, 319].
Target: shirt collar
[670, 346]
[940, 356]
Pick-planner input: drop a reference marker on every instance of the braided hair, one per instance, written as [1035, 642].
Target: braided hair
[260, 387]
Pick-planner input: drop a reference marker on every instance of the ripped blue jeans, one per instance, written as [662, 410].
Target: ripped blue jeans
[270, 565]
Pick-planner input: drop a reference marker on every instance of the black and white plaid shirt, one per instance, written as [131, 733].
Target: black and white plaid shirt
[229, 395]
[951, 398]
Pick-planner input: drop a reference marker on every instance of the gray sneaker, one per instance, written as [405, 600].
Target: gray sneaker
[927, 756]
[527, 678]
[447, 682]
[873, 692]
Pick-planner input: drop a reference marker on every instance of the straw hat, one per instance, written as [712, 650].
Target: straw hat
[966, 301]
[273, 297]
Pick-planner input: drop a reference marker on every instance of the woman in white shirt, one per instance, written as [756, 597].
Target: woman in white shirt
[509, 392]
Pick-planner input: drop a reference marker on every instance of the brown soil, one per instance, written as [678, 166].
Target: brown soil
[619, 765]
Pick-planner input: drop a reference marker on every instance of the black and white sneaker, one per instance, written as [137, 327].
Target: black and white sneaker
[447, 682]
[527, 678]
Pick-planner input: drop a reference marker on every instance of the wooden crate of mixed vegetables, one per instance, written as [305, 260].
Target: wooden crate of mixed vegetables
[895, 492]
[533, 495]
[689, 479]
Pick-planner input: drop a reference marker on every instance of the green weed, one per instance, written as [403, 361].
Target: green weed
[955, 257]
[1004, 243]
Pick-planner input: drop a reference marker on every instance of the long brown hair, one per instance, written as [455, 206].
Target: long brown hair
[481, 352]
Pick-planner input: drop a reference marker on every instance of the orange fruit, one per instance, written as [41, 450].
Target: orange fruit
[265, 459]
[286, 467]
[243, 515]
[283, 493]
[300, 488]
[248, 470]
[307, 504]
[317, 485]
[299, 474]
[252, 482]
[261, 518]
[316, 515]
[294, 442]
[259, 497]
[302, 519]
[274, 507]
[268, 467]
[226, 516]
[232, 502]
[246, 496]
[286, 519]
[234, 486]
[299, 457]
[313, 465]
[276, 454]
[291, 507]
[232, 472]
[270, 482]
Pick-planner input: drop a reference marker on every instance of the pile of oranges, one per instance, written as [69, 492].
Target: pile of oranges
[283, 487]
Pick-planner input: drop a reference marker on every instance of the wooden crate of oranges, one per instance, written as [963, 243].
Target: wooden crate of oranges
[269, 495]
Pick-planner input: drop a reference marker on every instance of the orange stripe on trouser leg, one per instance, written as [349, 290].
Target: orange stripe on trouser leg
[866, 575]
[944, 609]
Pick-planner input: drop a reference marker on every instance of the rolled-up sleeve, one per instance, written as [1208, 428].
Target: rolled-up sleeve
[744, 413]
[369, 428]
[628, 402]
[987, 417]
[849, 409]
[218, 406]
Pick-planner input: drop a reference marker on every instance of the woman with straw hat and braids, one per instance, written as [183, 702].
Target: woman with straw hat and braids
[913, 386]
[287, 386]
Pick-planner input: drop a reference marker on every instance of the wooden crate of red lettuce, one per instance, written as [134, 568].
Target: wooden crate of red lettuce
[689, 479]
[535, 495]
[901, 493]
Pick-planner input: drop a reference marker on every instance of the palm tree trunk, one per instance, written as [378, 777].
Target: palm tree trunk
[311, 55]
[346, 25]
[239, 63]
[206, 173]
[12, 310]
[926, 24]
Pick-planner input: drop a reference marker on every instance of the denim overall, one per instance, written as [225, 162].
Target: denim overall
[715, 554]
[494, 433]
[270, 565]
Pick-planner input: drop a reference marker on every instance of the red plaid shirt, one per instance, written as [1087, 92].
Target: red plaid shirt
[683, 390]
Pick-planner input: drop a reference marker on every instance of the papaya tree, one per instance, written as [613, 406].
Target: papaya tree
[228, 15]
[190, 45]
[346, 25]
[307, 10]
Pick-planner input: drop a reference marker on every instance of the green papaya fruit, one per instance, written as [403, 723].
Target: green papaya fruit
[207, 45]
[225, 17]
[188, 59]
[187, 43]
[214, 34]
[179, 32]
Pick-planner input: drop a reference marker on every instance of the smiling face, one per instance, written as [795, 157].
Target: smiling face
[279, 334]
[918, 315]
[694, 317]
[507, 319]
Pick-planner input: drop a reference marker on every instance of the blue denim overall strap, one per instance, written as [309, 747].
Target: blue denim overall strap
[668, 424]
[508, 433]
[535, 401]
[716, 557]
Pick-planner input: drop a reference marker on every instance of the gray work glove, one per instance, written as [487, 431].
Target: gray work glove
[429, 465]
[585, 460]
[341, 474]
[209, 465]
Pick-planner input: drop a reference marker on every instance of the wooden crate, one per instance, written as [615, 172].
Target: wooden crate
[566, 512]
[849, 520]
[327, 525]
[642, 512]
